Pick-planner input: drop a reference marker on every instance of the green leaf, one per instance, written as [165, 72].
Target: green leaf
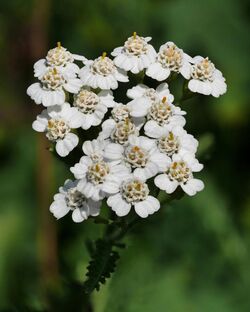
[101, 266]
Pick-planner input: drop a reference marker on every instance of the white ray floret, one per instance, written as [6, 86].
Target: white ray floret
[169, 59]
[133, 192]
[98, 178]
[70, 199]
[140, 154]
[102, 73]
[171, 140]
[57, 122]
[143, 97]
[94, 149]
[206, 79]
[179, 172]
[93, 106]
[54, 81]
[135, 55]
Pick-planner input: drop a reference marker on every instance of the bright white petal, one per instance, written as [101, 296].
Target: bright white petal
[119, 205]
[59, 209]
[65, 146]
[147, 207]
[148, 172]
[73, 85]
[156, 71]
[139, 107]
[162, 182]
[137, 91]
[113, 151]
[192, 186]
[79, 170]
[77, 216]
[153, 130]
[161, 160]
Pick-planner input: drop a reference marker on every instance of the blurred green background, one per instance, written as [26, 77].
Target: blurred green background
[194, 255]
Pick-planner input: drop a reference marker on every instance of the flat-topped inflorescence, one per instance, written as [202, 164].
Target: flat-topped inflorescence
[141, 139]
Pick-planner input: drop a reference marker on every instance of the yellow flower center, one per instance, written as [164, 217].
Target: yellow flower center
[97, 172]
[179, 172]
[86, 101]
[134, 191]
[57, 129]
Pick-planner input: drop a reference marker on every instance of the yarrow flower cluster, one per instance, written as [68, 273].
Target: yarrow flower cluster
[141, 146]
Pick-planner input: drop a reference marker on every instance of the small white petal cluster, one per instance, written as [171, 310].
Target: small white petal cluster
[141, 140]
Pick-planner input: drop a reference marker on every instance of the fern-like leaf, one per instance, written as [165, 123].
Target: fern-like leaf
[101, 266]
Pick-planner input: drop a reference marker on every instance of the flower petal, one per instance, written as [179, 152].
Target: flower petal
[162, 182]
[59, 209]
[147, 207]
[77, 216]
[192, 186]
[119, 205]
[113, 151]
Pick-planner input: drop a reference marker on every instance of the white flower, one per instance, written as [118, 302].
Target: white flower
[54, 81]
[171, 140]
[140, 154]
[119, 131]
[179, 172]
[57, 122]
[165, 114]
[59, 56]
[70, 199]
[94, 149]
[93, 106]
[206, 79]
[102, 73]
[98, 178]
[135, 55]
[143, 97]
[133, 192]
[169, 59]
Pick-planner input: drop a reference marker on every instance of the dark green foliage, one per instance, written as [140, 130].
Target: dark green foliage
[101, 266]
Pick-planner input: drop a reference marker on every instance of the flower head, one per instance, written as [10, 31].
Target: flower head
[54, 81]
[171, 140]
[118, 131]
[179, 172]
[57, 57]
[93, 106]
[98, 177]
[135, 55]
[133, 192]
[102, 73]
[57, 122]
[69, 199]
[205, 78]
[169, 59]
[164, 114]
